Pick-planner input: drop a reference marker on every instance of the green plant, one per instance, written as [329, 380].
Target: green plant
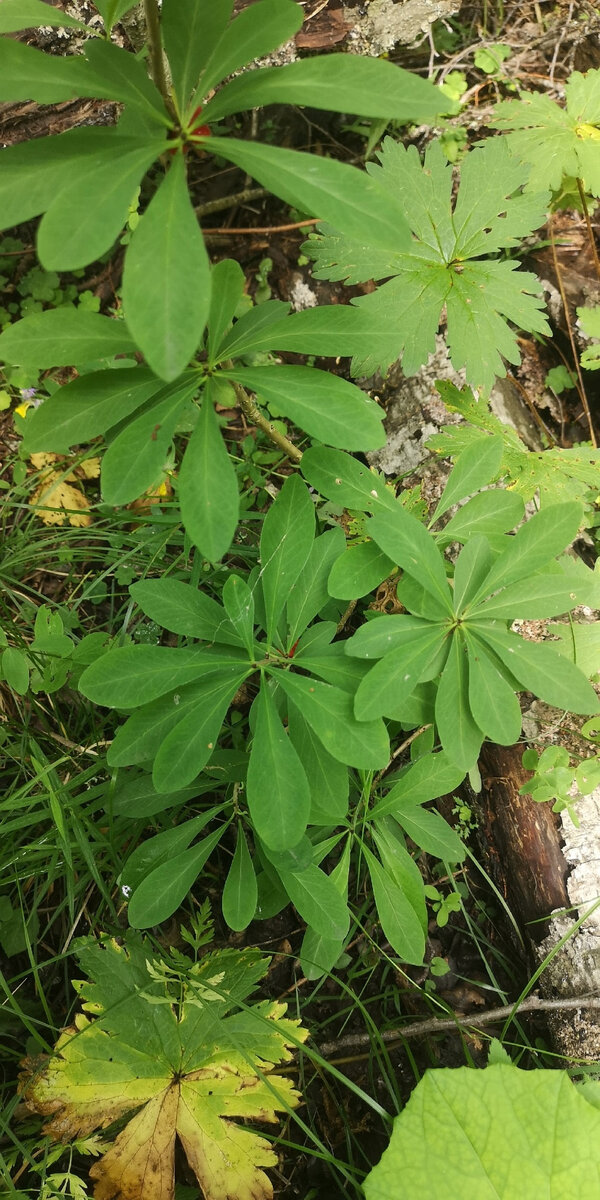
[173, 1041]
[486, 1133]
[166, 280]
[139, 415]
[452, 261]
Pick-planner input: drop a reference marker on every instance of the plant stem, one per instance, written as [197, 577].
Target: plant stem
[157, 62]
[588, 224]
[253, 414]
[580, 383]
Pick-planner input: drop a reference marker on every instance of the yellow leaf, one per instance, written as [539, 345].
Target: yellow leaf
[56, 502]
[89, 468]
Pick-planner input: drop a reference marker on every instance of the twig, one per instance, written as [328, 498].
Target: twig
[460, 1021]
[254, 415]
[588, 225]
[224, 202]
[399, 749]
[157, 62]
[581, 385]
[343, 621]
[266, 228]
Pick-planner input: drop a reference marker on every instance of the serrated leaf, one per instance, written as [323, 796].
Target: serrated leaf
[329, 711]
[208, 487]
[324, 405]
[556, 141]
[188, 1067]
[240, 892]
[166, 279]
[278, 791]
[398, 918]
[487, 1132]
[480, 296]
[285, 544]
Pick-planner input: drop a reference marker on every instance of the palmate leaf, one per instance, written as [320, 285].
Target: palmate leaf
[557, 474]
[557, 141]
[448, 262]
[188, 1068]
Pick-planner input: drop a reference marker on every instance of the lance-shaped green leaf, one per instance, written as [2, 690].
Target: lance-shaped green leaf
[344, 480]
[545, 595]
[329, 712]
[490, 513]
[24, 14]
[318, 900]
[133, 675]
[208, 490]
[541, 670]
[378, 637]
[391, 680]
[136, 796]
[338, 83]
[310, 592]
[252, 326]
[475, 467]
[398, 918]
[88, 406]
[249, 36]
[472, 566]
[461, 738]
[328, 189]
[494, 706]
[137, 740]
[166, 280]
[76, 229]
[400, 865]
[191, 32]
[240, 892]
[188, 747]
[431, 833]
[326, 406]
[226, 292]
[155, 851]
[319, 954]
[184, 609]
[533, 545]
[328, 330]
[137, 456]
[431, 776]
[358, 571]
[61, 337]
[285, 544]
[160, 894]
[406, 541]
[278, 791]
[238, 601]
[488, 1131]
[331, 664]
[327, 778]
[124, 77]
[111, 11]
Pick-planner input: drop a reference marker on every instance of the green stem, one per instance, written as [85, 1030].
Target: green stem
[157, 62]
[254, 415]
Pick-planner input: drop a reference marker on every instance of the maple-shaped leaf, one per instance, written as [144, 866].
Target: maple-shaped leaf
[557, 141]
[556, 474]
[449, 263]
[175, 1041]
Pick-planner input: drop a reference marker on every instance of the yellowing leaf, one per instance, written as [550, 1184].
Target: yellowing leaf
[165, 1043]
[55, 496]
